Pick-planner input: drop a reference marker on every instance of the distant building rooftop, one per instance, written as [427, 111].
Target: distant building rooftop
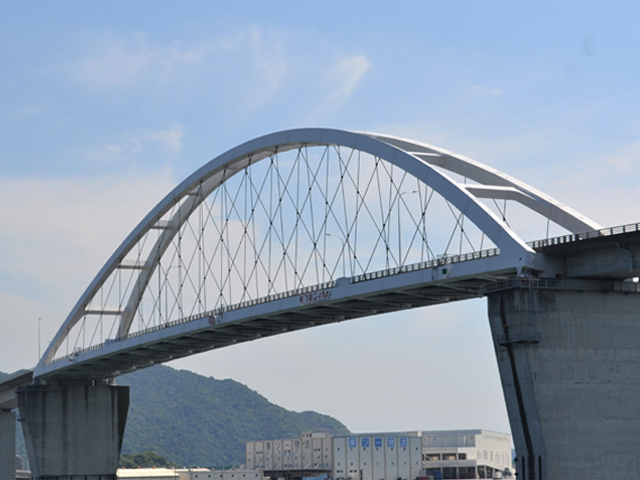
[147, 473]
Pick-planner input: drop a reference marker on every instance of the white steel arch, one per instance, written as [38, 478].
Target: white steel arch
[416, 159]
[495, 184]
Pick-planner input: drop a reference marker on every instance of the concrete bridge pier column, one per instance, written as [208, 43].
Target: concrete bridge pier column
[73, 431]
[569, 364]
[7, 445]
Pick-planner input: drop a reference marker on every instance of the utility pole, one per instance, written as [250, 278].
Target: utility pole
[39, 343]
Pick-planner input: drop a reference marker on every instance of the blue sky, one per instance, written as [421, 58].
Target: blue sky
[105, 106]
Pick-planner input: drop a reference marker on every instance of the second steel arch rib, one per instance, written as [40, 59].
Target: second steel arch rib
[209, 177]
[495, 184]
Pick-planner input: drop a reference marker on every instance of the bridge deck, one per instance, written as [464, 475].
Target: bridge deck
[344, 299]
[8, 400]
[446, 280]
[199, 336]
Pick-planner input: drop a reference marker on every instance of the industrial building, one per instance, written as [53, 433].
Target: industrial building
[308, 456]
[442, 455]
[147, 474]
[454, 454]
[187, 474]
[377, 456]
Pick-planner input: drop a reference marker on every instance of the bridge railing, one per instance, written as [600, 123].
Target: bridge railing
[443, 260]
[576, 237]
[211, 314]
[559, 284]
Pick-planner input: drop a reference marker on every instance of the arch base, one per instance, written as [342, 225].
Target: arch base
[7, 445]
[73, 431]
[569, 363]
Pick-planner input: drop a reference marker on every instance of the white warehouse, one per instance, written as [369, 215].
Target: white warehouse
[453, 454]
[375, 456]
[314, 451]
[457, 454]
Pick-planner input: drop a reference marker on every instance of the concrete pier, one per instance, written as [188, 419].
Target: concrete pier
[7, 445]
[569, 362]
[73, 431]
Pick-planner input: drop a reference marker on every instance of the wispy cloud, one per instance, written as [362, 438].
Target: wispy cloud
[110, 62]
[132, 146]
[54, 240]
[590, 46]
[605, 185]
[270, 62]
[344, 78]
[623, 161]
[170, 138]
[249, 64]
[479, 91]
[24, 112]
[73, 215]
[348, 74]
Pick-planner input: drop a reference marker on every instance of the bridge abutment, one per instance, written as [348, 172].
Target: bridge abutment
[73, 431]
[569, 364]
[7, 445]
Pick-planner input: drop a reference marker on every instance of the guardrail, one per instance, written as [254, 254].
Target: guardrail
[560, 284]
[444, 260]
[576, 237]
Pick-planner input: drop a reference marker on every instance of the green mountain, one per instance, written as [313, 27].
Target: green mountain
[200, 421]
[196, 420]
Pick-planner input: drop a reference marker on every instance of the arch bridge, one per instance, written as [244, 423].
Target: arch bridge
[308, 227]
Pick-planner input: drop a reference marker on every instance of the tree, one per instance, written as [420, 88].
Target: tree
[144, 460]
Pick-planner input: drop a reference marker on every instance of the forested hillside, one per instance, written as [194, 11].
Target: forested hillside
[194, 420]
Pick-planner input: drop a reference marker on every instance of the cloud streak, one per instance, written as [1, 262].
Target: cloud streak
[54, 239]
[344, 79]
[171, 138]
[270, 63]
[250, 64]
[478, 91]
[130, 62]
[132, 147]
[348, 73]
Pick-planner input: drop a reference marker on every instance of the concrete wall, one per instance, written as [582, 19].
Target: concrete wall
[73, 430]
[7, 445]
[569, 363]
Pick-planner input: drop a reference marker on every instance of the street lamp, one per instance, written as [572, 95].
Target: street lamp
[39, 343]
